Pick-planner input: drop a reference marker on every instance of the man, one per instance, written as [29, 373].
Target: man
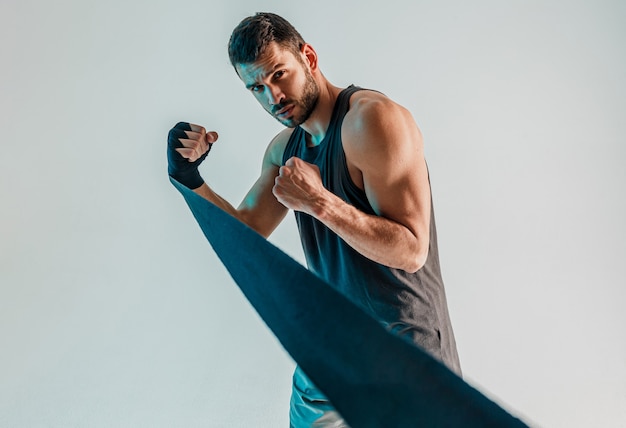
[350, 164]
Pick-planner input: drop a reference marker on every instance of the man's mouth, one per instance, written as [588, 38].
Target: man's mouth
[284, 111]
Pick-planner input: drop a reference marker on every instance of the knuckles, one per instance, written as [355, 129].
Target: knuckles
[196, 137]
[293, 161]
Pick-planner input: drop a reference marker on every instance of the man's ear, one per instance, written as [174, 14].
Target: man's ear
[309, 56]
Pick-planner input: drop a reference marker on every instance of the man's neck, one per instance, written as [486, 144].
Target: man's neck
[317, 124]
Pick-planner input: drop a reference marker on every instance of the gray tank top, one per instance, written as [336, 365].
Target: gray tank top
[412, 305]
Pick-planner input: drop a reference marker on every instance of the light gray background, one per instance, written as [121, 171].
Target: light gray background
[114, 312]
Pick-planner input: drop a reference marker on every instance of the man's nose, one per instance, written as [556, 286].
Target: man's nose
[274, 95]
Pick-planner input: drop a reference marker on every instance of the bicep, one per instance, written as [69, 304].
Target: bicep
[402, 196]
[260, 209]
[395, 176]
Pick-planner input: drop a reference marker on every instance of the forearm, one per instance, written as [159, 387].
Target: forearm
[259, 210]
[207, 193]
[377, 238]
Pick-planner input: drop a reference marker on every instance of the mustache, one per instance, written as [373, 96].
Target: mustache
[278, 107]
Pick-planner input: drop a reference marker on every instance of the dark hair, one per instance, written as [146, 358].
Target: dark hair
[254, 34]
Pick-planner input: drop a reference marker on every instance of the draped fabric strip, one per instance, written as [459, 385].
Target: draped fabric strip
[372, 377]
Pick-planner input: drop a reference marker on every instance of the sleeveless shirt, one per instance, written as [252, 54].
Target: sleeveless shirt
[412, 305]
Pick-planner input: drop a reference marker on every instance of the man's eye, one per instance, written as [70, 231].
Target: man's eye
[279, 74]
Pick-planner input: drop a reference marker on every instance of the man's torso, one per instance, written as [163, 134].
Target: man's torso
[411, 305]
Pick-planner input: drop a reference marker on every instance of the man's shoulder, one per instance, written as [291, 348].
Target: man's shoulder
[366, 96]
[372, 111]
[365, 99]
[282, 138]
[276, 148]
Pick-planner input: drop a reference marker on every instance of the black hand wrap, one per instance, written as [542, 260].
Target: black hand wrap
[179, 168]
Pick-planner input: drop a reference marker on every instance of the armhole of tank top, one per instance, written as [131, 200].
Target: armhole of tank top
[348, 179]
[356, 190]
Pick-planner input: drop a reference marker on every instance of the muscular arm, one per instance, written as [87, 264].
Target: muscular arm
[259, 209]
[384, 152]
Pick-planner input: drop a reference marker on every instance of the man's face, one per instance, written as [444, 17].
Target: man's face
[283, 85]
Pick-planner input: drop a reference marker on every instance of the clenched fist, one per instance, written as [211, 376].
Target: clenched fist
[187, 146]
[299, 186]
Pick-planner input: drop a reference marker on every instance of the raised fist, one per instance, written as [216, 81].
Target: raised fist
[187, 146]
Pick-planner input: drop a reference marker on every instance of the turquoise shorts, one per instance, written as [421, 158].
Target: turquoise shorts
[309, 407]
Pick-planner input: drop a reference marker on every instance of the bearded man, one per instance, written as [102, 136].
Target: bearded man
[350, 164]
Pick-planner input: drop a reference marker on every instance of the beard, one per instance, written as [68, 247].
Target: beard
[303, 105]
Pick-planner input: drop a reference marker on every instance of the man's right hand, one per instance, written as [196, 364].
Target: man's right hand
[187, 146]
